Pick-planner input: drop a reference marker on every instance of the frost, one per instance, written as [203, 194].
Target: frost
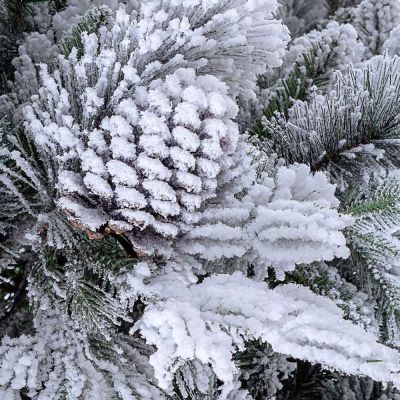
[375, 20]
[192, 324]
[280, 223]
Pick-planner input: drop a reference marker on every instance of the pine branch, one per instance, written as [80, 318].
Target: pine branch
[27, 179]
[381, 200]
[306, 384]
[84, 278]
[311, 382]
[316, 56]
[347, 130]
[89, 23]
[261, 370]
[13, 290]
[375, 248]
[296, 86]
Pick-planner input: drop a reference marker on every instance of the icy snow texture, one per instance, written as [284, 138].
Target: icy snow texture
[339, 39]
[142, 126]
[300, 223]
[207, 321]
[44, 45]
[222, 44]
[392, 45]
[227, 38]
[152, 131]
[375, 19]
[281, 222]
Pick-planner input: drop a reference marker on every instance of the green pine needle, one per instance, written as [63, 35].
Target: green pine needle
[89, 23]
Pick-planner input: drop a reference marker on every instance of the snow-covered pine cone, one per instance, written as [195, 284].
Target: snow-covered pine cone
[141, 144]
[156, 160]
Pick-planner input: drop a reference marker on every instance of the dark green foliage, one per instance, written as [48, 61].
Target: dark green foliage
[296, 86]
[15, 317]
[262, 370]
[14, 13]
[311, 382]
[9, 209]
[27, 190]
[307, 383]
[27, 178]
[314, 69]
[186, 385]
[15, 258]
[335, 5]
[381, 199]
[376, 208]
[16, 19]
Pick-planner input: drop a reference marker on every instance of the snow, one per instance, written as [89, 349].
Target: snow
[122, 173]
[190, 324]
[186, 139]
[130, 198]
